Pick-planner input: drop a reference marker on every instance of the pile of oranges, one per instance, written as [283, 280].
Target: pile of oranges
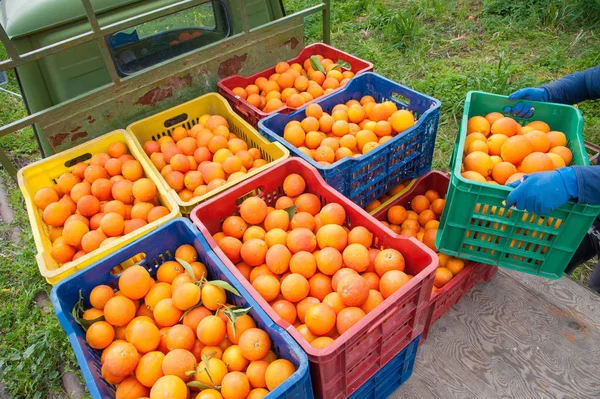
[166, 337]
[499, 150]
[97, 203]
[317, 274]
[351, 130]
[421, 221]
[203, 158]
[294, 85]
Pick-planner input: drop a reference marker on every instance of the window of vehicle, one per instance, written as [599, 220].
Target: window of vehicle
[150, 43]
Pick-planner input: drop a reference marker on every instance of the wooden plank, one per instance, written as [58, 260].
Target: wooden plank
[505, 339]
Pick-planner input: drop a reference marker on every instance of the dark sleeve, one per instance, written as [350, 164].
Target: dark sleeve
[575, 88]
[588, 184]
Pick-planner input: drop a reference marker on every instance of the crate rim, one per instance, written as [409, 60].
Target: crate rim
[213, 96]
[369, 318]
[78, 350]
[364, 157]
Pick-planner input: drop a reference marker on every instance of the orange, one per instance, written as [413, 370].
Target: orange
[99, 335]
[515, 149]
[177, 362]
[100, 295]
[267, 286]
[121, 359]
[212, 296]
[348, 317]
[119, 311]
[437, 206]
[442, 277]
[169, 386]
[320, 319]
[353, 290]
[321, 342]
[253, 210]
[478, 124]
[303, 263]
[286, 310]
[503, 171]
[470, 175]
[455, 265]
[301, 239]
[539, 141]
[295, 287]
[539, 125]
[388, 259]
[253, 252]
[256, 373]
[46, 196]
[515, 177]
[373, 300]
[402, 120]
[294, 184]
[235, 385]
[564, 153]
[254, 344]
[493, 117]
[330, 235]
[333, 213]
[304, 305]
[277, 259]
[278, 372]
[334, 300]
[537, 162]
[356, 257]
[557, 139]
[479, 162]
[211, 372]
[131, 388]
[303, 219]
[135, 282]
[392, 281]
[329, 261]
[506, 126]
[556, 160]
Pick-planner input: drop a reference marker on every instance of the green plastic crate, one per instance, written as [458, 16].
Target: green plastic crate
[475, 224]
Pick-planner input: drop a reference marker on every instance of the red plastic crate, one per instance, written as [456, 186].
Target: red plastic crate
[338, 370]
[443, 298]
[252, 114]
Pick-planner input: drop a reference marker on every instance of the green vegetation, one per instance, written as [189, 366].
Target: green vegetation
[438, 47]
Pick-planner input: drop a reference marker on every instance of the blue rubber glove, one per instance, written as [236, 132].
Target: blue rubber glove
[543, 192]
[525, 110]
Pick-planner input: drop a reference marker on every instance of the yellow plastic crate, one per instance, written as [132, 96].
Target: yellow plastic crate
[43, 174]
[187, 115]
[394, 198]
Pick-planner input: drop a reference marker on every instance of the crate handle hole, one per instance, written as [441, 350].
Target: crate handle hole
[134, 260]
[401, 99]
[252, 193]
[176, 120]
[76, 160]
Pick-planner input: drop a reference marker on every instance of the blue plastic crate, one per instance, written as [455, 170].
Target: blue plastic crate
[154, 249]
[391, 376]
[370, 176]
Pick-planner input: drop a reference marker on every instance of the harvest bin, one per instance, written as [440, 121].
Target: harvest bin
[450, 294]
[341, 368]
[187, 115]
[156, 248]
[253, 114]
[370, 176]
[475, 224]
[44, 174]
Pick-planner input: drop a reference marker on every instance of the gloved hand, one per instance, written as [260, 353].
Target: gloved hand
[543, 192]
[525, 110]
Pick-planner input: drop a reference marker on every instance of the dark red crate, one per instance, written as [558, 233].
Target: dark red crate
[443, 298]
[252, 114]
[338, 370]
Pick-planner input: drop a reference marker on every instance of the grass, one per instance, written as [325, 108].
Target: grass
[438, 47]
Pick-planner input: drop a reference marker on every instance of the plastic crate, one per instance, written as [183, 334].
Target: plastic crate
[156, 248]
[44, 174]
[443, 298]
[354, 357]
[253, 114]
[476, 225]
[391, 376]
[407, 155]
[187, 115]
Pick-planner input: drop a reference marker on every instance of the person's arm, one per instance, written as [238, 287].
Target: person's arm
[543, 192]
[588, 184]
[575, 88]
